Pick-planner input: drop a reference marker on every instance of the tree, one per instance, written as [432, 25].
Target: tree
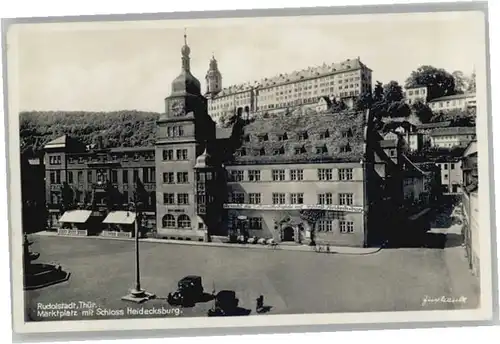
[439, 82]
[67, 196]
[228, 118]
[461, 81]
[311, 216]
[393, 92]
[363, 102]
[112, 196]
[378, 92]
[141, 196]
[422, 111]
[398, 109]
[471, 88]
[338, 106]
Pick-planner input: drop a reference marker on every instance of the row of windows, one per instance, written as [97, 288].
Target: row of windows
[253, 222]
[180, 154]
[445, 166]
[417, 92]
[55, 160]
[447, 103]
[148, 176]
[182, 198]
[293, 198]
[453, 137]
[328, 225]
[182, 221]
[122, 157]
[321, 225]
[182, 178]
[175, 131]
[294, 175]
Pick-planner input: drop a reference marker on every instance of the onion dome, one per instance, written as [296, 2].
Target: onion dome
[204, 160]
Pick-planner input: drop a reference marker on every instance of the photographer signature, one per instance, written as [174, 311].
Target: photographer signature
[443, 299]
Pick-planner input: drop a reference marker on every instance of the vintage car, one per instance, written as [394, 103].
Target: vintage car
[189, 291]
[226, 304]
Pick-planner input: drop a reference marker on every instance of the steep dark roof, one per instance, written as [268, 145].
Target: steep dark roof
[344, 141]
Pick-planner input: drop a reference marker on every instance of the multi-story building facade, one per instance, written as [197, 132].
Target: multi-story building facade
[455, 102]
[413, 94]
[344, 80]
[452, 137]
[88, 174]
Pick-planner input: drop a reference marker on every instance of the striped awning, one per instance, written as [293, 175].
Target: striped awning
[75, 216]
[120, 217]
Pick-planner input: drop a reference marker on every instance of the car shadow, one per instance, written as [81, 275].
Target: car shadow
[206, 297]
[264, 309]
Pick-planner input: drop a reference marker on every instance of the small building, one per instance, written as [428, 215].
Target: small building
[451, 175]
[455, 102]
[452, 137]
[323, 104]
[413, 94]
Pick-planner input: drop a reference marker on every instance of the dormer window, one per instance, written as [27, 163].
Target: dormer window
[242, 152]
[262, 151]
[81, 160]
[282, 137]
[136, 157]
[279, 151]
[347, 133]
[345, 148]
[125, 157]
[325, 134]
[263, 138]
[300, 150]
[321, 149]
[303, 135]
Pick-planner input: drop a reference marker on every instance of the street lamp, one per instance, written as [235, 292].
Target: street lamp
[137, 294]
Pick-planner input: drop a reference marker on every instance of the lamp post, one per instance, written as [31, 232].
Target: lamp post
[137, 294]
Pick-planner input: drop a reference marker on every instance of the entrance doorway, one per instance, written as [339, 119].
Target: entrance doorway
[288, 234]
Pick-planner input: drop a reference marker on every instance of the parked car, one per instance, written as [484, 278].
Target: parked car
[189, 291]
[226, 304]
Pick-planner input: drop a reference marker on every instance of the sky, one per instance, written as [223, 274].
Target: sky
[111, 66]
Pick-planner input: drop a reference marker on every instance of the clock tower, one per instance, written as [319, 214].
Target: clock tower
[184, 131]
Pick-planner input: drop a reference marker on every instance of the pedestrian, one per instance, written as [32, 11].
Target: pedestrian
[260, 303]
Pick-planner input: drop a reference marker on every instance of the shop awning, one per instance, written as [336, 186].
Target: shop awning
[120, 217]
[75, 216]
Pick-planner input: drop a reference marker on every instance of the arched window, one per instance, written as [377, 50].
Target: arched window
[168, 221]
[183, 221]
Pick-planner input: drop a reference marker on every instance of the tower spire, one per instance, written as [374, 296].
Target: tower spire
[185, 51]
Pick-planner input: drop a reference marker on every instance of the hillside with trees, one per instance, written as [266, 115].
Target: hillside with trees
[116, 129]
